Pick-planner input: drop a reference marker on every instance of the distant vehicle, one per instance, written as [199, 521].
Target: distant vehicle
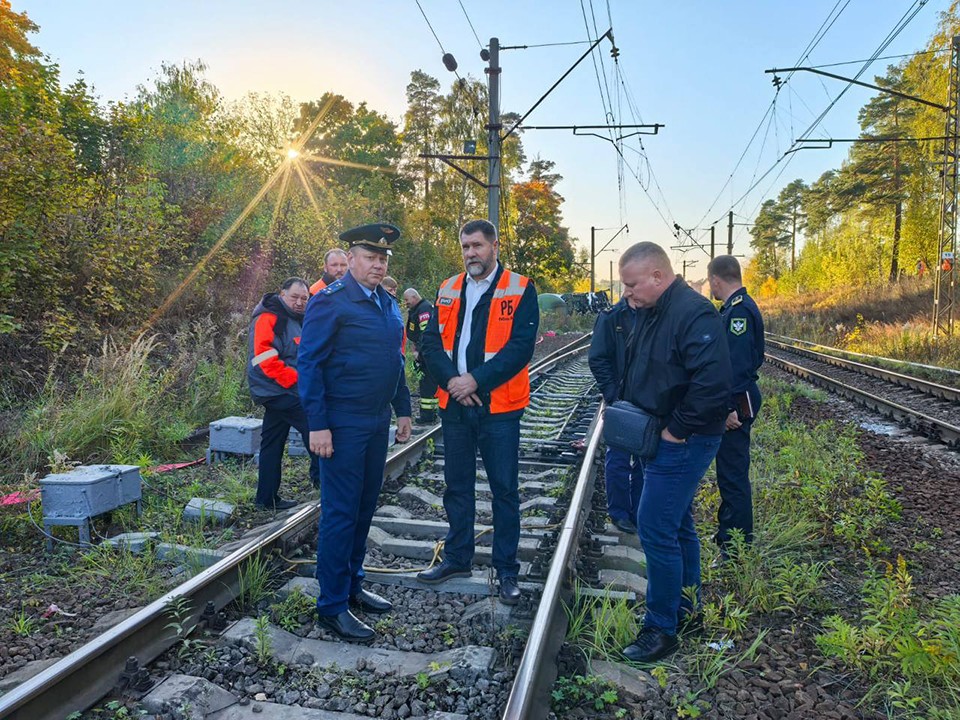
[552, 302]
[584, 303]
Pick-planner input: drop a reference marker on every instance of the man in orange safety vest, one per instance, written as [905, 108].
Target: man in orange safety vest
[477, 346]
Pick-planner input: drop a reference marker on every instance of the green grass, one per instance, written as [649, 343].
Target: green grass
[133, 402]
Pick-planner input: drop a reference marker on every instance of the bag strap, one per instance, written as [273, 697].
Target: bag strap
[632, 340]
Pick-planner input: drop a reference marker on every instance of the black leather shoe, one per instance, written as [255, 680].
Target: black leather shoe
[625, 526]
[346, 626]
[441, 572]
[371, 602]
[509, 591]
[650, 645]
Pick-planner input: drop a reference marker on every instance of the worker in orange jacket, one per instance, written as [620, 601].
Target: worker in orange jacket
[274, 339]
[334, 268]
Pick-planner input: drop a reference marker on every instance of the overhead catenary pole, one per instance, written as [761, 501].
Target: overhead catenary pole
[713, 241]
[493, 134]
[611, 282]
[593, 257]
[945, 276]
[730, 233]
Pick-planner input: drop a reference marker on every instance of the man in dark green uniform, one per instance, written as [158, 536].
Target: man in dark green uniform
[743, 329]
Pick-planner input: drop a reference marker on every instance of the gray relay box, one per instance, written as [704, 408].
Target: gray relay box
[295, 446]
[236, 435]
[73, 498]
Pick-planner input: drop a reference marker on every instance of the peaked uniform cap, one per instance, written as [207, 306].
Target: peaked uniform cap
[375, 236]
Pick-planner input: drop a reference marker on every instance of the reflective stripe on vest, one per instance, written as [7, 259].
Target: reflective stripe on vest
[515, 393]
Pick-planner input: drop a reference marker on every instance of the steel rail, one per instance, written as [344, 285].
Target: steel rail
[929, 426]
[914, 383]
[529, 697]
[80, 679]
[938, 368]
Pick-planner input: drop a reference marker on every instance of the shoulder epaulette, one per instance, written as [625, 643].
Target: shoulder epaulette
[331, 289]
[736, 301]
[609, 310]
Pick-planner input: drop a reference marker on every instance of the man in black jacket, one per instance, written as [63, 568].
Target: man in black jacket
[623, 475]
[477, 345]
[680, 373]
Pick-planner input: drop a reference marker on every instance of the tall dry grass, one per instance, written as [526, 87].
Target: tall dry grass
[132, 402]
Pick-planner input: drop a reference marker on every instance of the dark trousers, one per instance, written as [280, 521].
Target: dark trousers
[498, 441]
[428, 391]
[349, 488]
[280, 413]
[733, 479]
[666, 527]
[624, 481]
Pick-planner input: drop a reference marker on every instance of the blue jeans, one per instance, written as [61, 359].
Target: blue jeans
[666, 528]
[349, 487]
[624, 481]
[498, 441]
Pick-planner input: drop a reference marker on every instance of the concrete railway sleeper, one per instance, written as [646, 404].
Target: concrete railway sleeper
[446, 651]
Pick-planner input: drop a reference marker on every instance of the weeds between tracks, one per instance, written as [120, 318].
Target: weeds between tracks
[790, 606]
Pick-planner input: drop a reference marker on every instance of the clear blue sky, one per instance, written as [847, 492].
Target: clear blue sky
[696, 66]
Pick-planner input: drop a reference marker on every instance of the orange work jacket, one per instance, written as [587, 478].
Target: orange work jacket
[515, 393]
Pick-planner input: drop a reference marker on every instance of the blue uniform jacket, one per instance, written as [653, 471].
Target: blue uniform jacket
[350, 362]
[743, 328]
[608, 347]
[492, 373]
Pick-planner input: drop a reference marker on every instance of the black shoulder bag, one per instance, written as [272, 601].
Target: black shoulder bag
[627, 427]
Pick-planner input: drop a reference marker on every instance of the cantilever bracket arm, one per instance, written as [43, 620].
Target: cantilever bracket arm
[578, 130]
[801, 144]
[861, 84]
[449, 160]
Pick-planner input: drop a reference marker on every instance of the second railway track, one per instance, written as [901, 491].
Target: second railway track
[927, 407]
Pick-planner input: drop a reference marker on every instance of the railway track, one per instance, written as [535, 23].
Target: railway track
[466, 640]
[929, 408]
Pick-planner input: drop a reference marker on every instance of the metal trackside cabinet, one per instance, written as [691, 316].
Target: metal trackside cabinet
[78, 496]
[234, 436]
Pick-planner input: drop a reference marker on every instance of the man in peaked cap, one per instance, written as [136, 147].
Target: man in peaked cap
[351, 372]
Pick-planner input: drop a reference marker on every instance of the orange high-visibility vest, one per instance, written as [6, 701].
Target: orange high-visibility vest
[317, 286]
[515, 393]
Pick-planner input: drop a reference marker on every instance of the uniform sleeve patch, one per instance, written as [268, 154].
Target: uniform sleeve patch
[738, 326]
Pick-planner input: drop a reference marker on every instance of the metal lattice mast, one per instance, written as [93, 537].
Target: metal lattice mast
[944, 287]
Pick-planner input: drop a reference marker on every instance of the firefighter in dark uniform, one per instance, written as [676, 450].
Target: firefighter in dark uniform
[418, 316]
[272, 377]
[351, 372]
[743, 329]
[613, 332]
